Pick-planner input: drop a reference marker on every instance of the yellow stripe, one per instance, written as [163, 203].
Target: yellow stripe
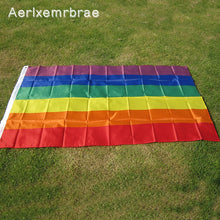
[113, 104]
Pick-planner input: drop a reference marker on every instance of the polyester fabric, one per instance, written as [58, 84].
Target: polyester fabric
[73, 106]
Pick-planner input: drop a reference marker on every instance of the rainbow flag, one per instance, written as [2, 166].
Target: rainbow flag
[72, 106]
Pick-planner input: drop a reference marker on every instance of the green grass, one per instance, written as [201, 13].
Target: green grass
[152, 181]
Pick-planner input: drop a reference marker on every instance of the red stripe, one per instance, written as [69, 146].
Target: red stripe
[112, 135]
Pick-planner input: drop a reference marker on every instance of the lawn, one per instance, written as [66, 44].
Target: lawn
[148, 181]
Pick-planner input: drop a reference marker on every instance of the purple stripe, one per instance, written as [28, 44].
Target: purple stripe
[164, 70]
[115, 70]
[148, 70]
[107, 70]
[181, 70]
[81, 70]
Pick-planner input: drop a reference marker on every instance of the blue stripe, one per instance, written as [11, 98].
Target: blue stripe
[120, 80]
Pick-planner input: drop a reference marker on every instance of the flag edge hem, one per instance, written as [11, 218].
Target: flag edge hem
[12, 98]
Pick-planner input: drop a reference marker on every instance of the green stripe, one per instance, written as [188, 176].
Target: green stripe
[104, 91]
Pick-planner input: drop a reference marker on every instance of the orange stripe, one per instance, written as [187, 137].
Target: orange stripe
[100, 118]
